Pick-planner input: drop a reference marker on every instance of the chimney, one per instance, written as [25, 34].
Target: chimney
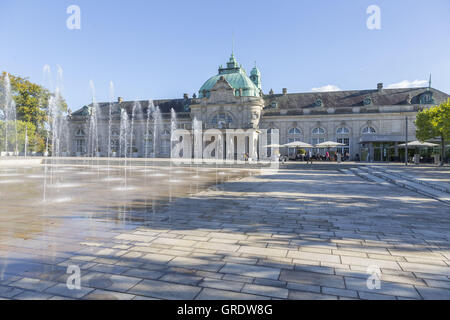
[185, 96]
[380, 86]
[119, 99]
[284, 91]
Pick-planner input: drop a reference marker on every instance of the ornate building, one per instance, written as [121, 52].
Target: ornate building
[369, 122]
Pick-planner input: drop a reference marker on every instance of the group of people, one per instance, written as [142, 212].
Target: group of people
[310, 156]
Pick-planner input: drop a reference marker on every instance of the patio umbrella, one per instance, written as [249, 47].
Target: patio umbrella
[297, 144]
[329, 144]
[418, 144]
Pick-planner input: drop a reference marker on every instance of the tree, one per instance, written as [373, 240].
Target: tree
[32, 101]
[26, 134]
[434, 122]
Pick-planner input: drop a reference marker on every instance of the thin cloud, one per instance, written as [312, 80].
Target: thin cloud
[408, 84]
[327, 88]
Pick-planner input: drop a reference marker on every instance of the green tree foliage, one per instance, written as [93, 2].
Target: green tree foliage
[31, 107]
[26, 133]
[435, 123]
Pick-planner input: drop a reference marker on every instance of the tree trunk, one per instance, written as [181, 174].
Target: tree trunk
[442, 151]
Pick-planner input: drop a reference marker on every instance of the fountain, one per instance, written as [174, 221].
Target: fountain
[9, 115]
[150, 111]
[93, 145]
[111, 98]
[157, 131]
[124, 124]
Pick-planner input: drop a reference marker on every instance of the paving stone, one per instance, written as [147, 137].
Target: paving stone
[438, 284]
[165, 290]
[317, 269]
[274, 292]
[370, 262]
[222, 284]
[108, 268]
[269, 282]
[340, 292]
[312, 278]
[425, 268]
[238, 278]
[303, 287]
[132, 237]
[387, 288]
[215, 294]
[313, 256]
[143, 273]
[240, 260]
[32, 295]
[225, 235]
[5, 278]
[263, 251]
[111, 282]
[157, 258]
[174, 242]
[32, 284]
[181, 278]
[9, 292]
[198, 264]
[301, 295]
[251, 271]
[375, 296]
[434, 293]
[108, 295]
[62, 290]
[217, 246]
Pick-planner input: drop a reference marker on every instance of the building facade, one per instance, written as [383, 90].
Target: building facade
[370, 123]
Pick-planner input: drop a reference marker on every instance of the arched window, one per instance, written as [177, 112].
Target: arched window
[80, 133]
[294, 131]
[222, 120]
[369, 130]
[166, 132]
[343, 130]
[318, 131]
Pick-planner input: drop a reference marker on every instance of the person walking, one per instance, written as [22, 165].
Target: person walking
[310, 156]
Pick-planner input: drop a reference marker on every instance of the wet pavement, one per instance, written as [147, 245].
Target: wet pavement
[163, 233]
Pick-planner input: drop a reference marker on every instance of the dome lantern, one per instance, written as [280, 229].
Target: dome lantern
[236, 76]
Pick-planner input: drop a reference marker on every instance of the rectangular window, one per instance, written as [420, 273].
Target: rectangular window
[80, 143]
[343, 150]
[317, 141]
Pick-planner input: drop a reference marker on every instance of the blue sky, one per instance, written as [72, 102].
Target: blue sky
[162, 49]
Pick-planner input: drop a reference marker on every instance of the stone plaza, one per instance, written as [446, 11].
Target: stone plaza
[302, 232]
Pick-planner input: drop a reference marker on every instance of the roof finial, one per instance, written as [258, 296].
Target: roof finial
[232, 44]
[429, 84]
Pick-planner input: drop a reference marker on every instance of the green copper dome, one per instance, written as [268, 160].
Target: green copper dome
[236, 77]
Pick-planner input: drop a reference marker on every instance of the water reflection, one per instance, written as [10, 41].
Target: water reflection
[36, 202]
